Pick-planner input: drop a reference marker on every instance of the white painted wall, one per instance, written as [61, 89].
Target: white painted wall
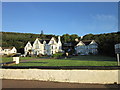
[14, 50]
[72, 76]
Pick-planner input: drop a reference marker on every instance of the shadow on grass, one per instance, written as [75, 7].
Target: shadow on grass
[90, 60]
[35, 62]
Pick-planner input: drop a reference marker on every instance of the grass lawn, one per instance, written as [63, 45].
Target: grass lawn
[74, 61]
[9, 59]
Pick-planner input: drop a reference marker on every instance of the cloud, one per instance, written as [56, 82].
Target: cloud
[104, 22]
[102, 17]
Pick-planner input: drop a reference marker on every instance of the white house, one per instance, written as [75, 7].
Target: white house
[44, 47]
[7, 50]
[86, 47]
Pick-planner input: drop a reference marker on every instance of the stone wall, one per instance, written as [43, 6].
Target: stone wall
[72, 76]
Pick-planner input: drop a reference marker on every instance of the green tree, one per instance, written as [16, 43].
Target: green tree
[66, 38]
[73, 37]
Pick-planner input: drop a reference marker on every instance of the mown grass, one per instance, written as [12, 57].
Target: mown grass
[10, 59]
[74, 61]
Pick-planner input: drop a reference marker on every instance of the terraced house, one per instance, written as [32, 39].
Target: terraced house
[86, 47]
[44, 47]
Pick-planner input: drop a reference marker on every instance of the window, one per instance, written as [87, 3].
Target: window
[37, 42]
[37, 47]
[5, 50]
[52, 47]
[28, 45]
[52, 52]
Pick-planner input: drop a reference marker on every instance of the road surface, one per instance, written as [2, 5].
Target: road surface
[48, 84]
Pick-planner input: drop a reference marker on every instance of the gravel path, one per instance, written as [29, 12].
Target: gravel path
[48, 84]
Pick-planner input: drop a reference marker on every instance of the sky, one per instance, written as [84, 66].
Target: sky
[60, 18]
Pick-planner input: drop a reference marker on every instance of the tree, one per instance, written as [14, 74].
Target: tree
[73, 37]
[88, 37]
[66, 38]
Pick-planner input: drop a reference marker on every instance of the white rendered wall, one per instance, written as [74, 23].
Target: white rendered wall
[72, 76]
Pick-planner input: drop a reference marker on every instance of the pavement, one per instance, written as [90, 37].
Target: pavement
[48, 84]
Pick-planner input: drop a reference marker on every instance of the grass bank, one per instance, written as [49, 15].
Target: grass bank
[73, 61]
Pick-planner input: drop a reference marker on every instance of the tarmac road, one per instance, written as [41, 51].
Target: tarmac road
[48, 84]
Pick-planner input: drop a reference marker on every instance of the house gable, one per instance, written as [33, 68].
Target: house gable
[14, 50]
[80, 44]
[93, 42]
[52, 41]
[28, 45]
[36, 42]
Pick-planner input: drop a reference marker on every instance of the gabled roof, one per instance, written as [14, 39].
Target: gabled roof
[47, 41]
[42, 40]
[28, 43]
[52, 39]
[93, 42]
[86, 42]
[31, 43]
[7, 47]
[80, 43]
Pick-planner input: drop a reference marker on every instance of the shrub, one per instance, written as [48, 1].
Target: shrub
[57, 55]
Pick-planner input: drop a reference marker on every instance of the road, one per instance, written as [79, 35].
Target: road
[48, 84]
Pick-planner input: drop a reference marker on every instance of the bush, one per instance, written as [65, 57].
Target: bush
[57, 55]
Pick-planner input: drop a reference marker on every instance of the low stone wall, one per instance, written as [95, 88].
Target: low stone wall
[72, 76]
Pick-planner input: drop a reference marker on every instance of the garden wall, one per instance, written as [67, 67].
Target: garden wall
[73, 76]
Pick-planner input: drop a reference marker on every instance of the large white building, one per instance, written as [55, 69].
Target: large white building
[44, 47]
[86, 47]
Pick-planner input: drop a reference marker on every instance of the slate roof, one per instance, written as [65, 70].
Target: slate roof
[86, 42]
[47, 41]
[7, 47]
[31, 43]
